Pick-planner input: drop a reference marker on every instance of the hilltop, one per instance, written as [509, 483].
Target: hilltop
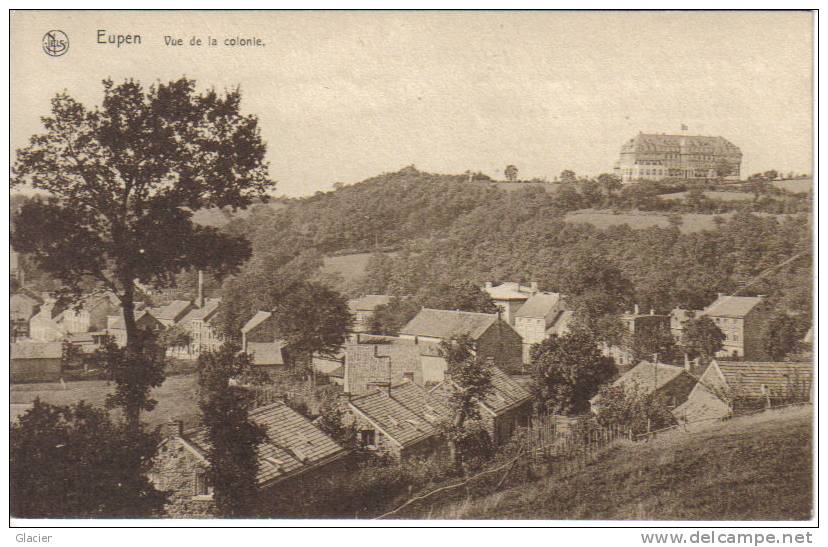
[750, 468]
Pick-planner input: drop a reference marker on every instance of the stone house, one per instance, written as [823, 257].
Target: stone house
[726, 387]
[672, 382]
[509, 297]
[505, 408]
[363, 310]
[492, 336]
[380, 360]
[201, 328]
[36, 361]
[742, 319]
[399, 420]
[294, 455]
[541, 316]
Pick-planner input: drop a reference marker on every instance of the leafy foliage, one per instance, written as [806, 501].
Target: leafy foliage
[702, 338]
[567, 371]
[633, 408]
[233, 437]
[74, 461]
[781, 335]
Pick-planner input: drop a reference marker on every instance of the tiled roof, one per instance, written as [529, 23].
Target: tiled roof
[732, 306]
[266, 353]
[649, 376]
[293, 443]
[36, 350]
[205, 313]
[140, 316]
[652, 142]
[255, 321]
[539, 305]
[505, 393]
[367, 364]
[746, 378]
[509, 291]
[173, 311]
[369, 302]
[447, 324]
[402, 414]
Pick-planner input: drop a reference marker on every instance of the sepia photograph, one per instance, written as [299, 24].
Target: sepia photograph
[420, 267]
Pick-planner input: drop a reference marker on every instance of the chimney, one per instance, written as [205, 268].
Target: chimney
[174, 428]
[636, 309]
[652, 311]
[416, 340]
[200, 299]
[388, 369]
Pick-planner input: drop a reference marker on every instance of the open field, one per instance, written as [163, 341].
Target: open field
[350, 267]
[725, 196]
[692, 222]
[751, 468]
[795, 185]
[176, 397]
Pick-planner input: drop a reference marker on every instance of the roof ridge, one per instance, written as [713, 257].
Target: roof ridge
[492, 315]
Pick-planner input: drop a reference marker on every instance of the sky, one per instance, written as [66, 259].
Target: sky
[343, 96]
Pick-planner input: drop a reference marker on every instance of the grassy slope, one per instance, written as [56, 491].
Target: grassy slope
[753, 468]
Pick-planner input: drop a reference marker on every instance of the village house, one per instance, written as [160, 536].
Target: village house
[363, 310]
[728, 387]
[509, 297]
[23, 305]
[380, 360]
[259, 340]
[91, 313]
[742, 320]
[36, 361]
[399, 420]
[540, 317]
[673, 383]
[492, 336]
[505, 408]
[294, 457]
[202, 332]
[173, 312]
[635, 322]
[144, 320]
[47, 324]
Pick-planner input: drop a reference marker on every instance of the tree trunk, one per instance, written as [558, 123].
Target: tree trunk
[454, 452]
[133, 407]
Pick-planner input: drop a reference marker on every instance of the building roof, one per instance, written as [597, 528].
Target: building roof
[445, 324]
[540, 305]
[369, 302]
[747, 378]
[256, 320]
[405, 412]
[173, 311]
[205, 313]
[368, 364]
[732, 306]
[292, 446]
[510, 290]
[36, 350]
[649, 377]
[140, 316]
[267, 353]
[657, 143]
[505, 393]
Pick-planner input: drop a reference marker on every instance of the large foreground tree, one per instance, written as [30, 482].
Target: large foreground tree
[123, 180]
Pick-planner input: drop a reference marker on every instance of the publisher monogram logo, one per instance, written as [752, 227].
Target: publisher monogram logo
[55, 43]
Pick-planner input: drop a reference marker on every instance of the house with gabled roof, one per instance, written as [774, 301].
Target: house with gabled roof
[378, 360]
[144, 320]
[23, 305]
[294, 456]
[742, 319]
[36, 361]
[201, 328]
[173, 312]
[47, 324]
[505, 408]
[260, 341]
[400, 420]
[672, 382]
[728, 387]
[540, 317]
[492, 336]
[91, 313]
